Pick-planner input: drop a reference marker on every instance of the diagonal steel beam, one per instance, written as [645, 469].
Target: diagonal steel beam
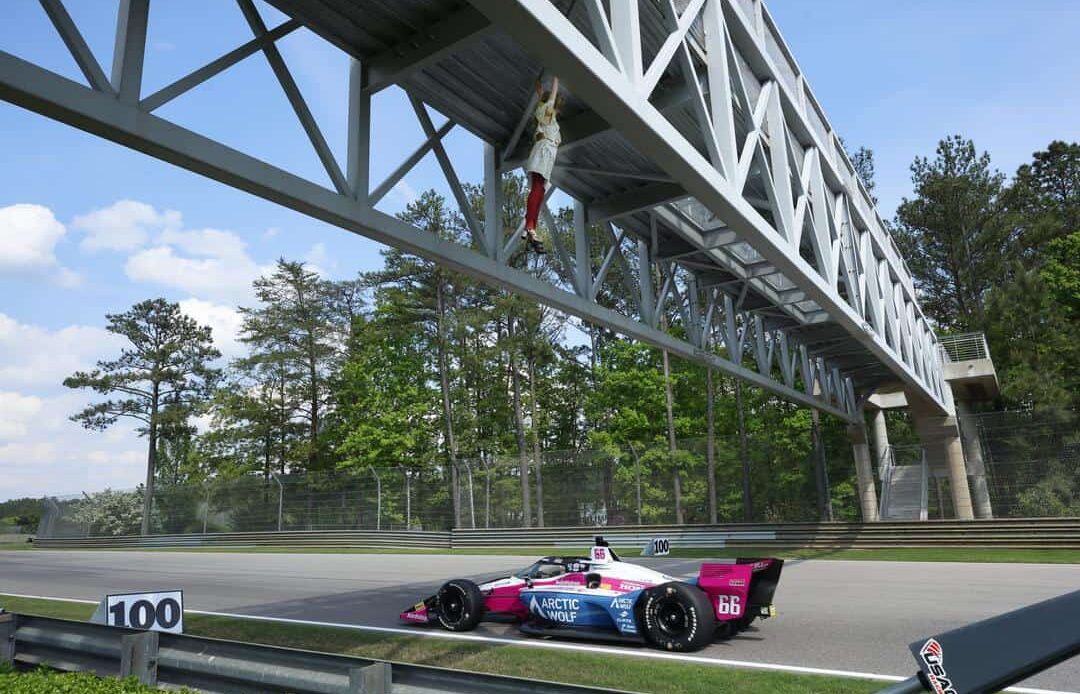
[215, 67]
[296, 99]
[77, 45]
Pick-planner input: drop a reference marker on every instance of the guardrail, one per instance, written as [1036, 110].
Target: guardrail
[215, 666]
[1011, 533]
[1062, 533]
[964, 347]
[415, 539]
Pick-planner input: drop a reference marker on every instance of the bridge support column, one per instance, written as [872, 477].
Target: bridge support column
[940, 437]
[976, 466]
[881, 435]
[864, 473]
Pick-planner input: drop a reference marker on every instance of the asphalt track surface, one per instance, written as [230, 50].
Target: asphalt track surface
[839, 615]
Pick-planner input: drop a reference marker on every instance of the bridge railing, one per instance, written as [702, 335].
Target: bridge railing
[964, 347]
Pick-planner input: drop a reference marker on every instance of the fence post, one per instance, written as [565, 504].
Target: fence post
[487, 491]
[472, 497]
[206, 509]
[8, 625]
[139, 657]
[637, 480]
[408, 498]
[280, 498]
[378, 497]
[373, 679]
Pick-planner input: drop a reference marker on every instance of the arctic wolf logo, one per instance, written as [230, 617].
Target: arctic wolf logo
[934, 657]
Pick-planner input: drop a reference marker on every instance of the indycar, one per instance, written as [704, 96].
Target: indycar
[604, 598]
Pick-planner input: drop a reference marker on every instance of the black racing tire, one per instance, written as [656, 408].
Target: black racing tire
[459, 605]
[678, 617]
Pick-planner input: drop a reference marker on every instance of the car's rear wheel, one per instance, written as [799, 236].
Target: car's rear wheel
[678, 617]
[460, 605]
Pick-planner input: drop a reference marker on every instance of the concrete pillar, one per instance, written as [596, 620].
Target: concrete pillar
[880, 435]
[940, 437]
[864, 473]
[973, 454]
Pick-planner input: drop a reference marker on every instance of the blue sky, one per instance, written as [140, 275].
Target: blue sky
[88, 227]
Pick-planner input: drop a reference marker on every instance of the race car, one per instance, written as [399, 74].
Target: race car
[602, 597]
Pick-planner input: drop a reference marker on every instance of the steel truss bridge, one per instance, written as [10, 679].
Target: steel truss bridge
[699, 160]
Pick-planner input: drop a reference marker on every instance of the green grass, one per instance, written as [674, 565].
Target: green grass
[628, 673]
[14, 546]
[932, 554]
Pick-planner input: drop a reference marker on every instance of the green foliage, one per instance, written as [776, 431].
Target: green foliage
[953, 233]
[165, 363]
[296, 333]
[1057, 495]
[162, 377]
[1003, 259]
[45, 681]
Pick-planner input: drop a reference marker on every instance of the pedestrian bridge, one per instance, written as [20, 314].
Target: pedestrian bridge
[710, 191]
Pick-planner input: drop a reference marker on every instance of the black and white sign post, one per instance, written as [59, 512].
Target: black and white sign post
[161, 611]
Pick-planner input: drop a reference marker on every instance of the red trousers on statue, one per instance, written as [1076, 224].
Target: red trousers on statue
[536, 199]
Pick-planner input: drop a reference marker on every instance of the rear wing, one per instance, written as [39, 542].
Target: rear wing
[764, 579]
[998, 652]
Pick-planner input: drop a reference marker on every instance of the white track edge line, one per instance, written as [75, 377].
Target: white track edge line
[775, 667]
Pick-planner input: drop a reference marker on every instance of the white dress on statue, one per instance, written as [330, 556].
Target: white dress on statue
[546, 143]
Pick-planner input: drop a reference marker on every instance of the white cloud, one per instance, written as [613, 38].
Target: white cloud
[405, 191]
[224, 321]
[319, 260]
[206, 243]
[124, 226]
[19, 412]
[211, 264]
[28, 238]
[33, 356]
[55, 456]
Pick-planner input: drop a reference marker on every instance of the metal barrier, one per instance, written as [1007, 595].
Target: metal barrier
[227, 667]
[966, 347]
[415, 539]
[1061, 533]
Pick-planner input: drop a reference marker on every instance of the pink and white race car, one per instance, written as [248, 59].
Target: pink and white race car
[602, 597]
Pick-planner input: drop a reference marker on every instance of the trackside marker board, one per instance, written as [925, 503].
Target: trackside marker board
[159, 611]
[657, 547]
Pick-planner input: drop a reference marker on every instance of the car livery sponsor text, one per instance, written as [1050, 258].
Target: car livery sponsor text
[555, 608]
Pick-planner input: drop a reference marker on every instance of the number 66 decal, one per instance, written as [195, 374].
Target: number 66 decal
[728, 605]
[149, 611]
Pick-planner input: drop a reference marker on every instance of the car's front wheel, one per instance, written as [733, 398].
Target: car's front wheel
[460, 605]
[678, 617]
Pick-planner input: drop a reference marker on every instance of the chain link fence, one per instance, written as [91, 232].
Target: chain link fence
[1032, 464]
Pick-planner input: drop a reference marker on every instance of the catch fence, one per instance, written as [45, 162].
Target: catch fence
[1032, 464]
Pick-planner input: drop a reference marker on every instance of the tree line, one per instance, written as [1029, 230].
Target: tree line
[416, 366]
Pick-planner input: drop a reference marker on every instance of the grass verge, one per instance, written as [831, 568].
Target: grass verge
[14, 546]
[645, 675]
[930, 554]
